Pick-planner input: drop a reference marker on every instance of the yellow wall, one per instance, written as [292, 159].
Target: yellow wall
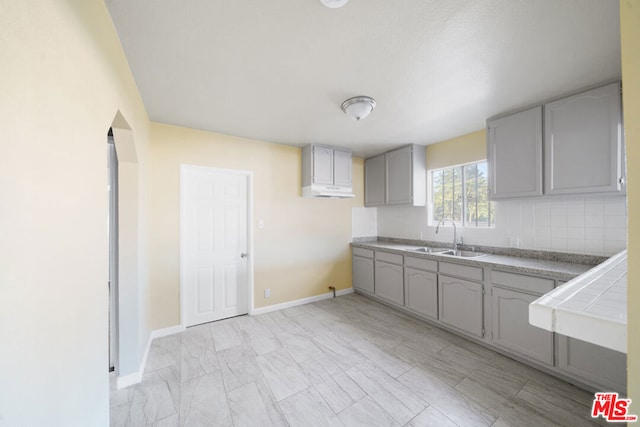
[62, 80]
[304, 245]
[468, 148]
[630, 41]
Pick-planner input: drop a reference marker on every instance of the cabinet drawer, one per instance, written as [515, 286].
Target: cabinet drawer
[421, 263]
[525, 283]
[366, 253]
[458, 270]
[387, 257]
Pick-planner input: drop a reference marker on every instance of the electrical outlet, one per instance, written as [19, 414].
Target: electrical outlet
[261, 223]
[267, 293]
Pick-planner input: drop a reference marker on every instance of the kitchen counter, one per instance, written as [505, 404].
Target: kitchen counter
[591, 307]
[559, 270]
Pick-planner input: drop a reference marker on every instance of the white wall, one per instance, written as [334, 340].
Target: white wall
[594, 225]
[63, 80]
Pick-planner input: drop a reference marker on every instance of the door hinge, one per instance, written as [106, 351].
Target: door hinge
[483, 291]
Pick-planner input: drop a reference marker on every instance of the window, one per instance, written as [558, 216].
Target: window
[462, 194]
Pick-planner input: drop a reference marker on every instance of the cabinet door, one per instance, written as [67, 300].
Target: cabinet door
[601, 367]
[342, 168]
[322, 165]
[460, 304]
[583, 142]
[399, 173]
[374, 181]
[421, 292]
[511, 328]
[363, 274]
[514, 147]
[389, 282]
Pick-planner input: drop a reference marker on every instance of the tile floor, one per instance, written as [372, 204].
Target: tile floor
[345, 361]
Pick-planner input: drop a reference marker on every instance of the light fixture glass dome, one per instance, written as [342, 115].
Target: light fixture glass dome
[358, 107]
[333, 4]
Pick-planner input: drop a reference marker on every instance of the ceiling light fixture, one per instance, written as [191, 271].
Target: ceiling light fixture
[333, 4]
[358, 107]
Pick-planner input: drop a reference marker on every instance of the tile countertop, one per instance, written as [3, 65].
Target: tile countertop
[558, 270]
[591, 307]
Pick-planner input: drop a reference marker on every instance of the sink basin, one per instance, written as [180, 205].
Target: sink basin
[463, 254]
[429, 250]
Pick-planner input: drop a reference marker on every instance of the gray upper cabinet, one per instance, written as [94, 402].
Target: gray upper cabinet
[399, 182]
[326, 171]
[322, 165]
[514, 150]
[374, 181]
[342, 168]
[583, 143]
[397, 177]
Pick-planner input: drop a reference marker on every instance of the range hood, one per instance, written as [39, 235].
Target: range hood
[326, 172]
[329, 191]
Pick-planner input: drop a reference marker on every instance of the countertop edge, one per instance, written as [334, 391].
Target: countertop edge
[488, 260]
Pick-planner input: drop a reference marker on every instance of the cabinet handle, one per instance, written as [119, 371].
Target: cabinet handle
[621, 180]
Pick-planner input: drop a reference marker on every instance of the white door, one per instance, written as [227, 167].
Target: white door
[214, 244]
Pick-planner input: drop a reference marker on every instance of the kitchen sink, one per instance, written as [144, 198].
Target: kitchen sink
[463, 254]
[429, 250]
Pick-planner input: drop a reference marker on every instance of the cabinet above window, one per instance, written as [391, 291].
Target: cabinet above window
[581, 137]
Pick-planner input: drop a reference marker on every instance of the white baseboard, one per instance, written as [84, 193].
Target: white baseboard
[136, 377]
[159, 333]
[302, 301]
[129, 380]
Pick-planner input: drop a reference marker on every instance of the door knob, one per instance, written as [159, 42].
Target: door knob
[243, 255]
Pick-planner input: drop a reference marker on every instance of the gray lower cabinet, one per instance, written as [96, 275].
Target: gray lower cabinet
[601, 367]
[421, 292]
[460, 304]
[363, 274]
[430, 289]
[389, 282]
[511, 328]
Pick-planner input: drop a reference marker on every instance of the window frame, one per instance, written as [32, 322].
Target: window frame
[463, 223]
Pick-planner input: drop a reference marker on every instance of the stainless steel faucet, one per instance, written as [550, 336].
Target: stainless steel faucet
[455, 237]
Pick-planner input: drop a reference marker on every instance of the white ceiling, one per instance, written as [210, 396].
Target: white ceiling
[278, 70]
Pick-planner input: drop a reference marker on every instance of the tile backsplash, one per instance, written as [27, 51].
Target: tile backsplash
[364, 222]
[590, 224]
